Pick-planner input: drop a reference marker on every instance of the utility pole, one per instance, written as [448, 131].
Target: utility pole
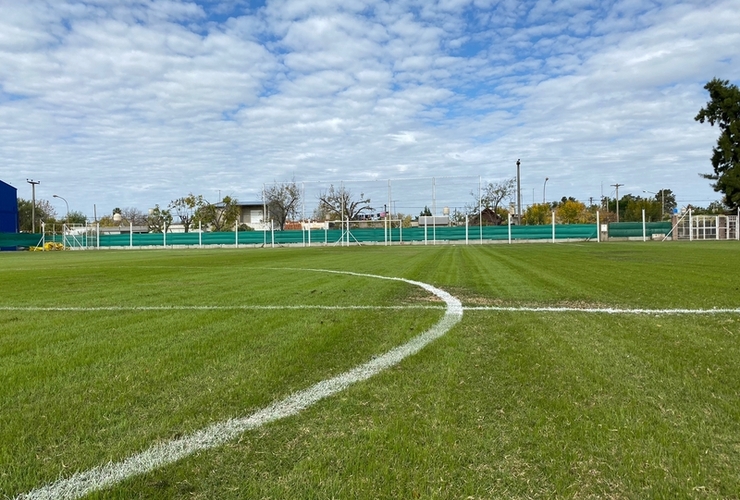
[617, 186]
[33, 203]
[518, 195]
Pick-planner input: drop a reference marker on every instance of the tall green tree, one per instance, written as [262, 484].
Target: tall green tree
[668, 201]
[624, 201]
[159, 219]
[537, 214]
[220, 216]
[572, 211]
[634, 207]
[44, 212]
[76, 217]
[185, 208]
[723, 109]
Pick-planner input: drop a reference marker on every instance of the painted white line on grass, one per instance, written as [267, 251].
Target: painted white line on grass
[596, 310]
[604, 310]
[161, 454]
[208, 308]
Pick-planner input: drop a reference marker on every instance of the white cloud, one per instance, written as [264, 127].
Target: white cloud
[133, 103]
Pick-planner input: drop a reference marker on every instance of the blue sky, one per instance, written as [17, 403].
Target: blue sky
[116, 103]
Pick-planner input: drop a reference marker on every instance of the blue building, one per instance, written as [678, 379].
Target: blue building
[8, 208]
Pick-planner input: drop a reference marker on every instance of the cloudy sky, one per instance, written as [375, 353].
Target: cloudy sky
[132, 103]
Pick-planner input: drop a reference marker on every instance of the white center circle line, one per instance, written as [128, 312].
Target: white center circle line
[161, 454]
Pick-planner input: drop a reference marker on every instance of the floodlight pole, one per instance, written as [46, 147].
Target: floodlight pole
[33, 203]
[518, 195]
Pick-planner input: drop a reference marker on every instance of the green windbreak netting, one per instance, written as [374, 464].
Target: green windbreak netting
[634, 229]
[336, 236]
[356, 235]
[13, 240]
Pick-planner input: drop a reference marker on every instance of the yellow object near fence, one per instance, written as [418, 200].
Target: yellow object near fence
[47, 247]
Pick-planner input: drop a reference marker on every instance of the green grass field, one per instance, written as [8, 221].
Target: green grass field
[104, 354]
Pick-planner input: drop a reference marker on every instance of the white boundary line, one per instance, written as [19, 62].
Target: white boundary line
[592, 310]
[604, 310]
[161, 454]
[209, 308]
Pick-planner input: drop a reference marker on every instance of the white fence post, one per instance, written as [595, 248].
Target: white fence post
[509, 229]
[466, 229]
[716, 228]
[553, 226]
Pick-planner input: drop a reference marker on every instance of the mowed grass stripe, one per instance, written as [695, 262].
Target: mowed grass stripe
[220, 433]
[79, 396]
[85, 389]
[525, 405]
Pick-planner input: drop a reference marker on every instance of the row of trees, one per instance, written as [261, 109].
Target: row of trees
[189, 210]
[282, 201]
[571, 211]
[44, 212]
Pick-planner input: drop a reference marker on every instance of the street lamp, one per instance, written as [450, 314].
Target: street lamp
[662, 202]
[544, 187]
[65, 202]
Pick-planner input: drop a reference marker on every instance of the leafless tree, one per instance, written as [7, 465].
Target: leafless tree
[335, 202]
[282, 200]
